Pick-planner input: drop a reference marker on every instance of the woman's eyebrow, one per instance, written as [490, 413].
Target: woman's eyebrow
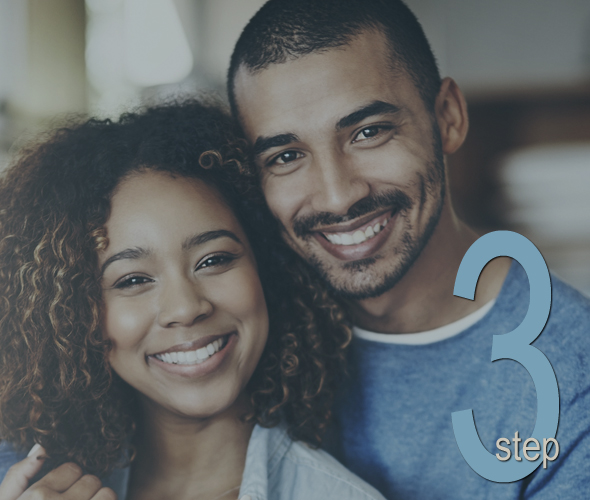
[128, 253]
[191, 242]
[201, 238]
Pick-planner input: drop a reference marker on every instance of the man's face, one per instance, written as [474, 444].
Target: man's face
[350, 162]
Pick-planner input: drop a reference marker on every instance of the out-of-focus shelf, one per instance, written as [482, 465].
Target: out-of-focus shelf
[529, 93]
[505, 121]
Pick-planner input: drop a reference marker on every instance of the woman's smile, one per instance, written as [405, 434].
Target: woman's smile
[195, 362]
[195, 352]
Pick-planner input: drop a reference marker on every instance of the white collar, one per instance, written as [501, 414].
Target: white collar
[429, 336]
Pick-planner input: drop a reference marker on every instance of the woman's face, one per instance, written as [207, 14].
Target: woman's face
[184, 307]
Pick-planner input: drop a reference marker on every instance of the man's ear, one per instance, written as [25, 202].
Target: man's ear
[451, 115]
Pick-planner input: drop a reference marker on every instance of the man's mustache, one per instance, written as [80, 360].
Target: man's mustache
[397, 200]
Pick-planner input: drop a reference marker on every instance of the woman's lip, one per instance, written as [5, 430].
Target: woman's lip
[363, 250]
[199, 370]
[194, 345]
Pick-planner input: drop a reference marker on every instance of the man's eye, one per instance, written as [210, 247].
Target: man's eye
[215, 260]
[132, 281]
[367, 133]
[285, 157]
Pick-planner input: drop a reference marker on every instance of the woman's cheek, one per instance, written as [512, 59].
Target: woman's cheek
[241, 296]
[126, 322]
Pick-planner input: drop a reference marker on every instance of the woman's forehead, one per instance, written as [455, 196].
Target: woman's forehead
[151, 206]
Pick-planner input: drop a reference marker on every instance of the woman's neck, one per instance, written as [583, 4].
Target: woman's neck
[185, 458]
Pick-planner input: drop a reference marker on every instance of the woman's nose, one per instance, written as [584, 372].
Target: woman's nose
[183, 303]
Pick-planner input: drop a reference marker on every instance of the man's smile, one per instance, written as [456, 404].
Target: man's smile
[357, 231]
[359, 239]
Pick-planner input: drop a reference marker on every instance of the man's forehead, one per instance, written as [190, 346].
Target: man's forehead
[283, 88]
[334, 81]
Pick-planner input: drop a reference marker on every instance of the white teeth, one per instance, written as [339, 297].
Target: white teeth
[357, 237]
[334, 238]
[192, 357]
[347, 239]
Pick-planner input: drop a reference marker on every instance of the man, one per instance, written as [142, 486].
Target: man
[349, 122]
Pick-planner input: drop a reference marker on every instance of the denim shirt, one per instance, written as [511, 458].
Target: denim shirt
[277, 468]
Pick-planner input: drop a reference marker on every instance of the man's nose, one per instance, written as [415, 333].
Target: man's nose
[183, 302]
[337, 183]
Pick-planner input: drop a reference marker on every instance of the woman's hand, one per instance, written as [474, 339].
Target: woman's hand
[64, 483]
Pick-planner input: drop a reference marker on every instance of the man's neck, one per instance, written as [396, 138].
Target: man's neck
[423, 299]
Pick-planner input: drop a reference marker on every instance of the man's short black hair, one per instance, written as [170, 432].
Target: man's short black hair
[287, 29]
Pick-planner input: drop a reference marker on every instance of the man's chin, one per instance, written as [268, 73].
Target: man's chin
[373, 276]
[363, 291]
[359, 280]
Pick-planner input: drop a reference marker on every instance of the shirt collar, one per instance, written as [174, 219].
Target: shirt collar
[266, 449]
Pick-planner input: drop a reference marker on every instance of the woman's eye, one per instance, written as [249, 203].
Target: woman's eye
[215, 260]
[132, 281]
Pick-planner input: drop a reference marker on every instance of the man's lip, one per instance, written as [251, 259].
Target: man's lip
[194, 345]
[355, 224]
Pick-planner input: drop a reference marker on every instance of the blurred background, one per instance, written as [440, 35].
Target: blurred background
[524, 66]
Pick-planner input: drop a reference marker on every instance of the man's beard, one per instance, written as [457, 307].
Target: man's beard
[411, 246]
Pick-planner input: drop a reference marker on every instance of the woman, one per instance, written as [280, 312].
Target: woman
[153, 330]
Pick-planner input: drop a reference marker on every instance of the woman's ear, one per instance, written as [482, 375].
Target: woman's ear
[451, 115]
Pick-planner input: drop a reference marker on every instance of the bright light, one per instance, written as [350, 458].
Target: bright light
[156, 49]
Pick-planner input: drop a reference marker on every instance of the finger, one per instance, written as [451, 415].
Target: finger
[18, 476]
[36, 451]
[105, 494]
[83, 489]
[60, 479]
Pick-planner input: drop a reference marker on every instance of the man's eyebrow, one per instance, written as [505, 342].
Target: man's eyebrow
[263, 144]
[128, 253]
[372, 109]
[201, 238]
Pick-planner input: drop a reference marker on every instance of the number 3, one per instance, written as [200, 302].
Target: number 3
[514, 345]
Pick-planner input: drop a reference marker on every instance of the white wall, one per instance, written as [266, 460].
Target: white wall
[503, 44]
[224, 21]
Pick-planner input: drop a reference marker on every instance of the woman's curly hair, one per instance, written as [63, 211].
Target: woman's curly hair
[56, 385]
